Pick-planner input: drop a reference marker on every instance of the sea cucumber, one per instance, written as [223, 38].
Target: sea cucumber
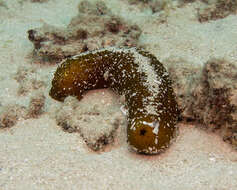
[134, 73]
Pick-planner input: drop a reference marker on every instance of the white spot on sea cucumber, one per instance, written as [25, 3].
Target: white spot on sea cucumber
[147, 123]
[156, 126]
[133, 125]
[124, 110]
[156, 140]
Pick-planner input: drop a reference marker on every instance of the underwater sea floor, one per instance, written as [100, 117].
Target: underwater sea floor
[38, 147]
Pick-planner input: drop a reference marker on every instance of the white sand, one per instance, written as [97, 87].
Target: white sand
[37, 154]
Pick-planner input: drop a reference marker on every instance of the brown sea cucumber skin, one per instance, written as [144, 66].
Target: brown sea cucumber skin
[134, 73]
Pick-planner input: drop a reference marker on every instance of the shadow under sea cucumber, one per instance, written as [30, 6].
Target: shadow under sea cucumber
[134, 73]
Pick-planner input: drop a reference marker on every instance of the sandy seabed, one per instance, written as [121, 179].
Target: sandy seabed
[37, 154]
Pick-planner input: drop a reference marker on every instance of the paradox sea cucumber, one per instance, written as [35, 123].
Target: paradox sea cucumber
[134, 73]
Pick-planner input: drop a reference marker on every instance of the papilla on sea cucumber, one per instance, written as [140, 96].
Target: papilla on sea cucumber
[134, 73]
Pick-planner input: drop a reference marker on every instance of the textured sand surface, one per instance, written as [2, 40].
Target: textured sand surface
[38, 154]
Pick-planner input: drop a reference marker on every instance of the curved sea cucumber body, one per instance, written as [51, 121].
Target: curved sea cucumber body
[134, 73]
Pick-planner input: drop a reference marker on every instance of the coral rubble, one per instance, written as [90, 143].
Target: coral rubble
[94, 27]
[96, 123]
[207, 95]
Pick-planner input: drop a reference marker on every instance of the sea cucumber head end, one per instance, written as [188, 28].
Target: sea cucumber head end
[66, 81]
